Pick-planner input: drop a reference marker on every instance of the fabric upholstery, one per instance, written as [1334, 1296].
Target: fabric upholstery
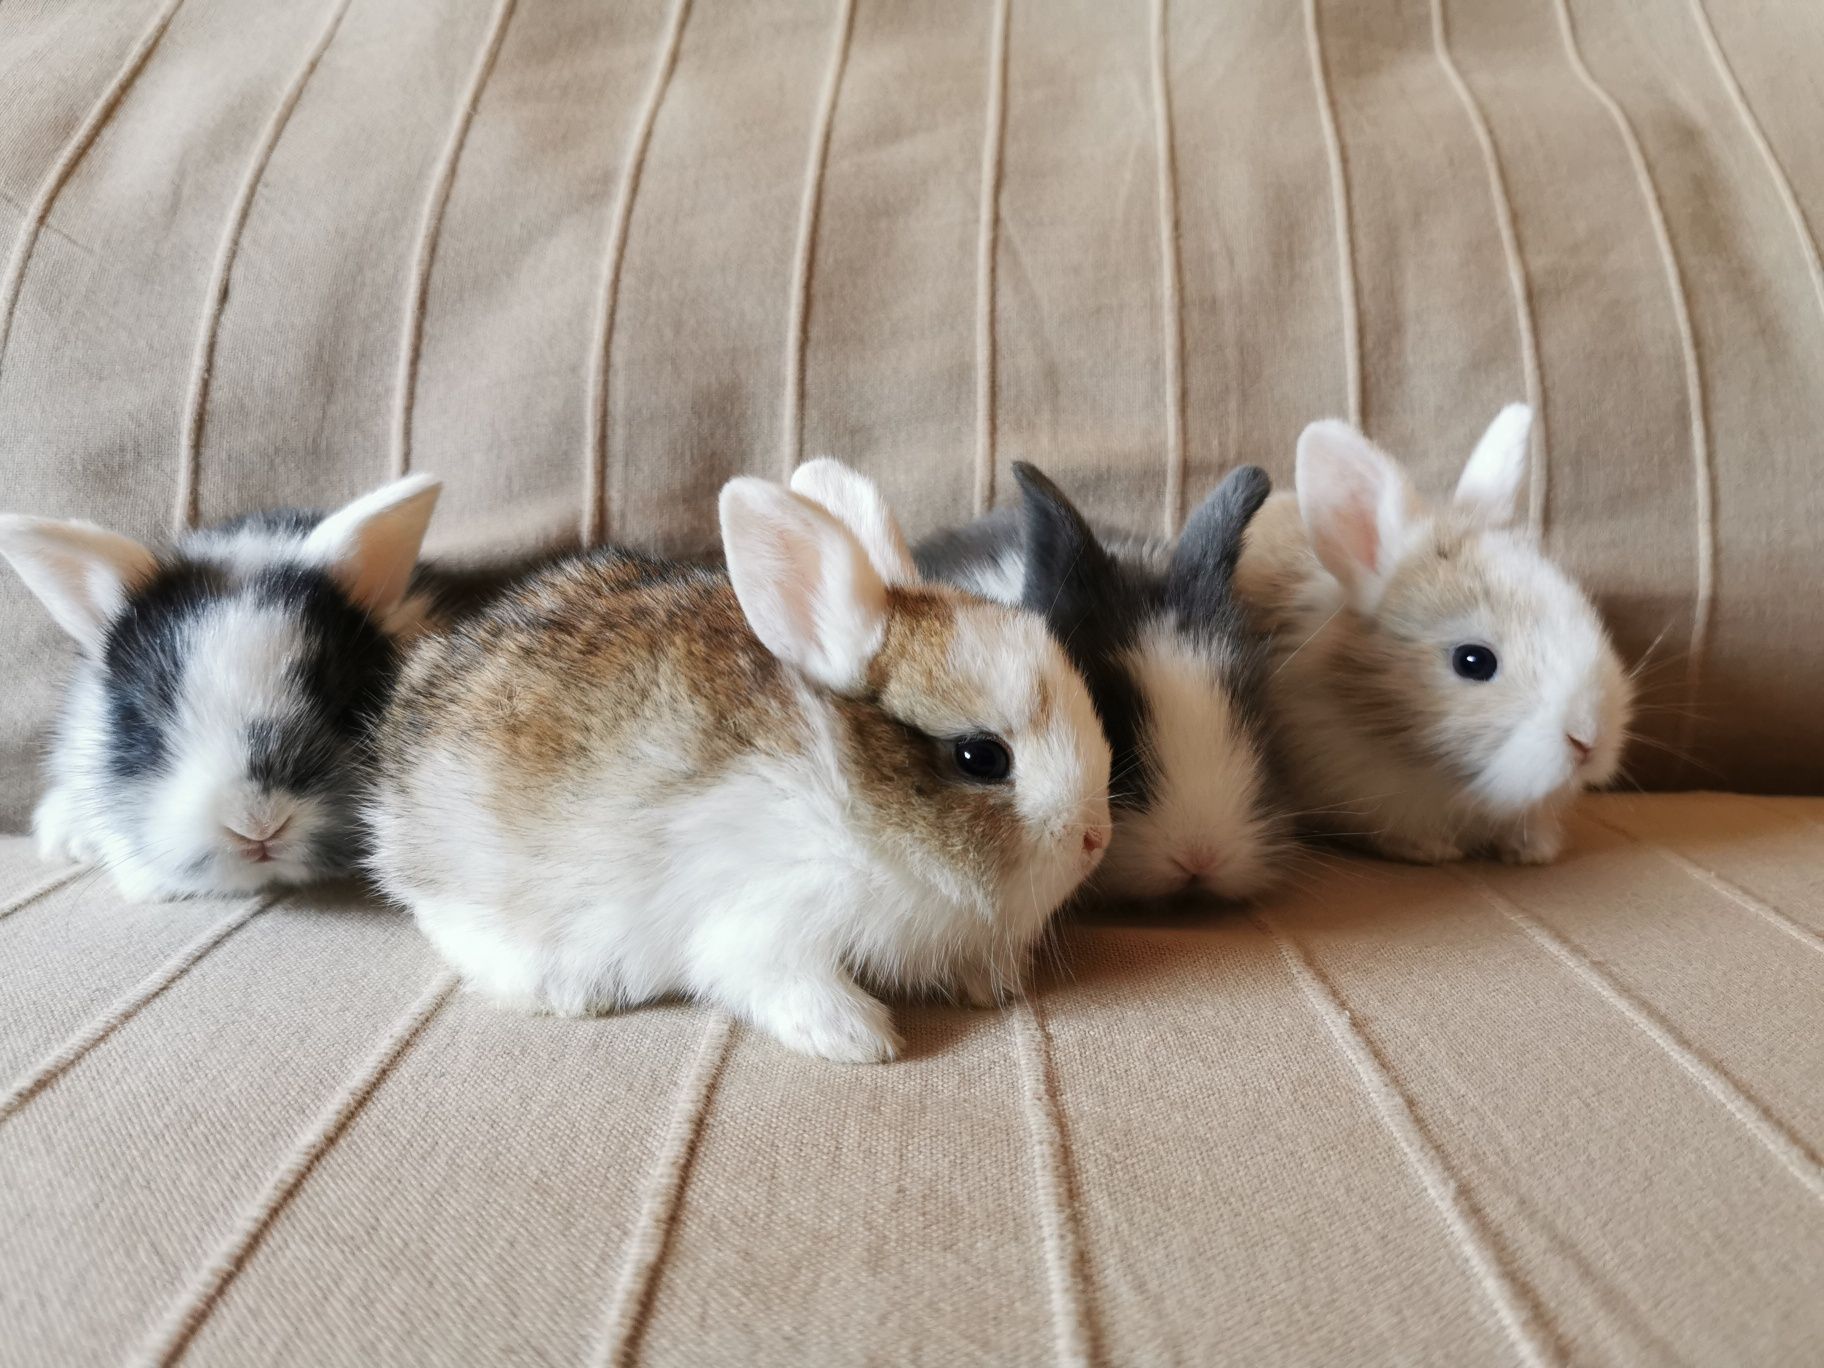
[1421, 1116]
[586, 260]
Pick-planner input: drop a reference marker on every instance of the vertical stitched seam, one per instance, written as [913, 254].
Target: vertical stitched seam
[596, 513]
[1512, 1307]
[1736, 894]
[1073, 1334]
[124, 1009]
[39, 890]
[799, 325]
[1702, 475]
[1782, 182]
[1171, 267]
[1787, 1148]
[1339, 209]
[1532, 376]
[215, 302]
[430, 228]
[39, 212]
[994, 130]
[649, 1242]
[197, 1301]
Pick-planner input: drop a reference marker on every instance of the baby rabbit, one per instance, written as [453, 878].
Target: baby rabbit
[764, 787]
[213, 736]
[1173, 668]
[1438, 687]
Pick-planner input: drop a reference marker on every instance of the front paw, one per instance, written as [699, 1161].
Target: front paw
[843, 1025]
[1420, 851]
[1541, 846]
[58, 834]
[982, 987]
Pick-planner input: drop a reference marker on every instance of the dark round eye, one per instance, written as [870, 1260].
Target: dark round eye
[983, 759]
[1474, 662]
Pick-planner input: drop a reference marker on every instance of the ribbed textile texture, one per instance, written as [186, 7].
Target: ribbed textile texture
[1452, 1117]
[586, 261]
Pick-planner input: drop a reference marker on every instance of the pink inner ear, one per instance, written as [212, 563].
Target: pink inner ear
[1359, 528]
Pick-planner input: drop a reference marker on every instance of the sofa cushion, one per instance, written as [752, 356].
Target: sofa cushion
[587, 260]
[1426, 1116]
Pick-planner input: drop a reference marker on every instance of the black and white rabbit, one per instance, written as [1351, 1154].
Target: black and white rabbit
[215, 733]
[1172, 666]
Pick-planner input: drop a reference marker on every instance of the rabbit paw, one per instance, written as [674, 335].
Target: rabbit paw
[978, 985]
[831, 1021]
[1425, 851]
[1540, 846]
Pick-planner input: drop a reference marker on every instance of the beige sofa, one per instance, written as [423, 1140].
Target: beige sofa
[585, 261]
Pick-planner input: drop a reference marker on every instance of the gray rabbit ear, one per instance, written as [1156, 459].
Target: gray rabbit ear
[1068, 574]
[1199, 581]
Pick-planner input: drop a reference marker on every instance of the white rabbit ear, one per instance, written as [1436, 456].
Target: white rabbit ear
[80, 572]
[1490, 485]
[805, 584]
[371, 545]
[1356, 503]
[855, 501]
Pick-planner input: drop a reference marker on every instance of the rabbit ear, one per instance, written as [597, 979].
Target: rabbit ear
[855, 501]
[806, 586]
[1203, 563]
[1490, 486]
[1069, 577]
[371, 546]
[1356, 503]
[80, 572]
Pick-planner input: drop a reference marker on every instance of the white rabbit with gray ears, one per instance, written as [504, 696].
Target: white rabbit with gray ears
[214, 736]
[1438, 687]
[1172, 666]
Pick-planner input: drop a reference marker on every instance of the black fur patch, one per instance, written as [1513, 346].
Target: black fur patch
[1094, 606]
[143, 663]
[345, 675]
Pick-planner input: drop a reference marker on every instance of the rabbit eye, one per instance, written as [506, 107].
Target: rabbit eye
[984, 759]
[1474, 662]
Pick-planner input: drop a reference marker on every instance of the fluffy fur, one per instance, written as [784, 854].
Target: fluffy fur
[631, 778]
[214, 735]
[1172, 666]
[1366, 591]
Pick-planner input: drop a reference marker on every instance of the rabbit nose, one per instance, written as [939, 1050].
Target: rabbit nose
[1579, 747]
[247, 829]
[1094, 839]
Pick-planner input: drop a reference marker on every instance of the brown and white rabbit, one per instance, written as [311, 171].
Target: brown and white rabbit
[1438, 688]
[773, 788]
[214, 736]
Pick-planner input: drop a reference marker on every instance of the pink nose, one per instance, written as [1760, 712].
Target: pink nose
[1579, 747]
[1195, 863]
[1093, 840]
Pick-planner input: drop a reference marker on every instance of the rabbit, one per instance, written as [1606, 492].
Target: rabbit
[1172, 665]
[212, 738]
[1438, 687]
[777, 787]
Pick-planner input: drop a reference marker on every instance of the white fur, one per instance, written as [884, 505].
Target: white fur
[189, 828]
[1205, 825]
[1487, 766]
[856, 503]
[774, 890]
[81, 573]
[758, 893]
[805, 584]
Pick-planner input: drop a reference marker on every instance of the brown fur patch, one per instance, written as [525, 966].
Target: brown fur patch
[896, 761]
[592, 656]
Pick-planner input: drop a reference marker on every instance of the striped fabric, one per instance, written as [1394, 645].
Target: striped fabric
[1421, 1116]
[587, 260]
